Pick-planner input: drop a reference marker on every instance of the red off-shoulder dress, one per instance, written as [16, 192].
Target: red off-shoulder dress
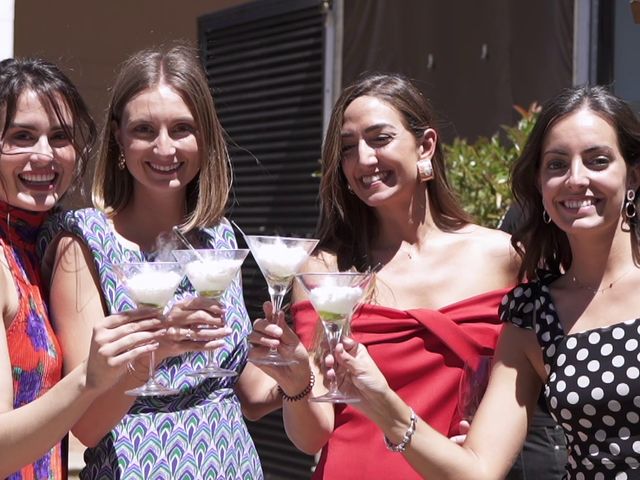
[421, 353]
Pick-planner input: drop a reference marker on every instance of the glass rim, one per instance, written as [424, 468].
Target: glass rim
[283, 238]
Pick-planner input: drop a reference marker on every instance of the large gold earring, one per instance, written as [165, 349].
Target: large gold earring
[122, 162]
[425, 169]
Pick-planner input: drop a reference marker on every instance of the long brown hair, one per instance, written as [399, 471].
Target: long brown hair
[544, 245]
[347, 225]
[177, 66]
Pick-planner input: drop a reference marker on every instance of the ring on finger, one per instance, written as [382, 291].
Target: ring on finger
[189, 334]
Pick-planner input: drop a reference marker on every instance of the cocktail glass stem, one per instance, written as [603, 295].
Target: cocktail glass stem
[277, 294]
[152, 368]
[211, 368]
[333, 332]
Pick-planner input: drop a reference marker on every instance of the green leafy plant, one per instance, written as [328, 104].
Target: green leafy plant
[479, 171]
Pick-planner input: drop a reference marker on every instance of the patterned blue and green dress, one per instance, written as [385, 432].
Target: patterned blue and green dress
[199, 434]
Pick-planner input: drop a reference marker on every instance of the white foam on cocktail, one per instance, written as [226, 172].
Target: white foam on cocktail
[212, 275]
[335, 299]
[153, 287]
[280, 260]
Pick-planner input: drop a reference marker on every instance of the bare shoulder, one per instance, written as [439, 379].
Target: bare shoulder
[483, 244]
[68, 255]
[321, 261]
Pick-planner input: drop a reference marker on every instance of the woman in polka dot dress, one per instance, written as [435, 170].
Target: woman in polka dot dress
[573, 330]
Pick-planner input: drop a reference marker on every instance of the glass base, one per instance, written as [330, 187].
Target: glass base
[152, 389]
[273, 358]
[212, 371]
[335, 397]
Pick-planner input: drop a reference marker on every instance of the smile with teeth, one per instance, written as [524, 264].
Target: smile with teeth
[39, 178]
[586, 202]
[165, 168]
[376, 177]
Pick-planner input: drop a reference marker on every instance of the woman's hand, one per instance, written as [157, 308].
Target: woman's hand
[118, 340]
[194, 324]
[269, 332]
[464, 427]
[356, 369]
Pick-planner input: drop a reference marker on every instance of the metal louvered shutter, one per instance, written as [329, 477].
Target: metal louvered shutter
[264, 61]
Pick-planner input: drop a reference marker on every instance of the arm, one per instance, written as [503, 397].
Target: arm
[76, 306]
[28, 432]
[497, 431]
[308, 424]
[257, 393]
[257, 387]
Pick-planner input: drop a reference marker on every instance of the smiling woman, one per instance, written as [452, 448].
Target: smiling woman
[46, 136]
[158, 134]
[572, 330]
[162, 164]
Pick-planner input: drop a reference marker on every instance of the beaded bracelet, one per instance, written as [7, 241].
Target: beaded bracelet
[402, 446]
[302, 394]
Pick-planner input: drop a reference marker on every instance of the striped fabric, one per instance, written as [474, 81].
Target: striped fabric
[199, 434]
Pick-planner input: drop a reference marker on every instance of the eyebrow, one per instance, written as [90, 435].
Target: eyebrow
[29, 126]
[595, 148]
[377, 126]
[143, 118]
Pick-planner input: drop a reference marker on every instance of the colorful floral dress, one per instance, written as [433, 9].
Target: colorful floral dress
[34, 352]
[198, 434]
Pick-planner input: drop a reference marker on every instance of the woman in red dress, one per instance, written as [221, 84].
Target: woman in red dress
[46, 135]
[386, 203]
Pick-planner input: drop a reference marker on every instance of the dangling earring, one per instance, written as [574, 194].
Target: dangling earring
[350, 189]
[630, 210]
[545, 217]
[425, 169]
[121, 161]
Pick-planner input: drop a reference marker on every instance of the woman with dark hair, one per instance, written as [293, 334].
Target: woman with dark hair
[387, 204]
[162, 163]
[574, 329]
[46, 135]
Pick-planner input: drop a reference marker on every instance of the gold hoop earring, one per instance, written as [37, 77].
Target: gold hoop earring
[425, 169]
[122, 162]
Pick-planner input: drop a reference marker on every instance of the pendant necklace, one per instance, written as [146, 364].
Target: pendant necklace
[582, 286]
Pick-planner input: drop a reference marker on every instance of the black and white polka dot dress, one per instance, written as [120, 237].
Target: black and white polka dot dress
[593, 384]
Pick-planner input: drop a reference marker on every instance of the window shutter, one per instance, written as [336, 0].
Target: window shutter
[264, 61]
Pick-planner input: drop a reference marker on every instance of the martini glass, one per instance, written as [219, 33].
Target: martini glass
[151, 284]
[211, 272]
[335, 297]
[279, 259]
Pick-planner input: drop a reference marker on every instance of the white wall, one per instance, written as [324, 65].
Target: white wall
[6, 28]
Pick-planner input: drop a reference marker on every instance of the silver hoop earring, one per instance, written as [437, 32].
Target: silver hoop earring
[545, 217]
[630, 210]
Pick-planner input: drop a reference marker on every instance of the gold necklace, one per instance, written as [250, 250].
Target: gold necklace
[582, 286]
